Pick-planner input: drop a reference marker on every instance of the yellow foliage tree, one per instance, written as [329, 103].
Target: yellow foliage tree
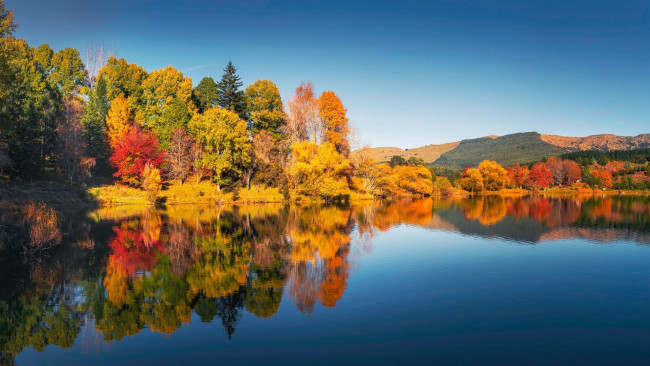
[472, 181]
[151, 182]
[495, 177]
[118, 121]
[319, 170]
[413, 179]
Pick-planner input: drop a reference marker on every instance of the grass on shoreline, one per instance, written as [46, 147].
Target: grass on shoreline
[207, 193]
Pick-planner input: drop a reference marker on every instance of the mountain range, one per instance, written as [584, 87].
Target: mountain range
[522, 147]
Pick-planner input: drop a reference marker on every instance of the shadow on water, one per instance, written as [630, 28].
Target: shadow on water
[123, 269]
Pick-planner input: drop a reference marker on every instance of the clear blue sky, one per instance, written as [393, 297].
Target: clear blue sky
[409, 72]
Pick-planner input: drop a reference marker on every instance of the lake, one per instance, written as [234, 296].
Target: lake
[487, 280]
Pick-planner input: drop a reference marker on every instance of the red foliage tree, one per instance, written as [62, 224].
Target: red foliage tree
[132, 155]
[572, 172]
[539, 177]
[518, 175]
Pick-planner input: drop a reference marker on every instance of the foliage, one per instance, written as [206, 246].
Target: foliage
[264, 108]
[472, 181]
[29, 228]
[130, 157]
[125, 79]
[494, 176]
[319, 170]
[179, 155]
[413, 179]
[72, 146]
[539, 177]
[206, 94]
[93, 121]
[303, 120]
[603, 178]
[397, 160]
[229, 96]
[118, 121]
[151, 182]
[167, 102]
[518, 175]
[639, 156]
[335, 122]
[225, 142]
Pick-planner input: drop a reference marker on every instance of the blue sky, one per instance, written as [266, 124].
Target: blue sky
[410, 73]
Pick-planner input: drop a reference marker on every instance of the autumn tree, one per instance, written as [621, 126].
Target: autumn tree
[572, 172]
[229, 96]
[472, 181]
[517, 175]
[319, 170]
[179, 155]
[303, 119]
[413, 179]
[206, 94]
[539, 177]
[374, 177]
[118, 121]
[603, 178]
[335, 122]
[125, 79]
[74, 162]
[151, 182]
[225, 142]
[494, 176]
[264, 108]
[167, 100]
[268, 160]
[130, 157]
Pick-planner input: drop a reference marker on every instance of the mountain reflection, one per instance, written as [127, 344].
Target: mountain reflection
[125, 269]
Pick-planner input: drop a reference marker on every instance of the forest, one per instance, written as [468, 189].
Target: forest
[118, 130]
[72, 121]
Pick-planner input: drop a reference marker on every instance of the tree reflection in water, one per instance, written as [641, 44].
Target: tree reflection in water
[125, 269]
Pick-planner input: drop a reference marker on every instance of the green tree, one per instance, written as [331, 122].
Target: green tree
[206, 94]
[124, 78]
[229, 96]
[264, 108]
[397, 160]
[226, 146]
[94, 124]
[167, 97]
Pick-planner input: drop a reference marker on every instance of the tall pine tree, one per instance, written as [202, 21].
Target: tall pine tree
[229, 96]
[94, 124]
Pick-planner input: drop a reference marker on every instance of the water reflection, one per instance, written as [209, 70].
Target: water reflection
[126, 269]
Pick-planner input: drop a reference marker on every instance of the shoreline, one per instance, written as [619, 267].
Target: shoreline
[207, 194]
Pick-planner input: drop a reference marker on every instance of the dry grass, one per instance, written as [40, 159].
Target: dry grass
[258, 194]
[29, 228]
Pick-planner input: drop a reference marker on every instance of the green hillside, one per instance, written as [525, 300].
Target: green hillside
[505, 150]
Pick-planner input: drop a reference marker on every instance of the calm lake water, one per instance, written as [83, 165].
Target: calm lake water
[486, 280]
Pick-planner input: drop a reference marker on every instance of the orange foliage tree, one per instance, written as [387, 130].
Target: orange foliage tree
[518, 175]
[335, 122]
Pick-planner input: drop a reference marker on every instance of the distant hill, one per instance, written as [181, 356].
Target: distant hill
[427, 153]
[604, 142]
[510, 149]
[505, 150]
